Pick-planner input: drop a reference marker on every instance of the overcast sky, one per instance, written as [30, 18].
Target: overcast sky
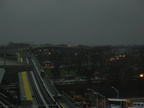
[87, 22]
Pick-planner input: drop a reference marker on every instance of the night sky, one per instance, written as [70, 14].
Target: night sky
[86, 22]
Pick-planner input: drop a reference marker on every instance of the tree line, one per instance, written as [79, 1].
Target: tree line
[115, 63]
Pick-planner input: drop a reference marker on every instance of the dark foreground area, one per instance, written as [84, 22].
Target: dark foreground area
[127, 89]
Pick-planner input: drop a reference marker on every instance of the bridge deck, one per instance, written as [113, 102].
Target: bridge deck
[9, 62]
[14, 65]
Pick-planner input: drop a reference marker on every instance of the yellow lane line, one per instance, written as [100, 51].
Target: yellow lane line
[18, 55]
[26, 86]
[21, 59]
[62, 105]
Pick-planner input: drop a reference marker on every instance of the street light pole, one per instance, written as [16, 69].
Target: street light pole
[98, 94]
[116, 91]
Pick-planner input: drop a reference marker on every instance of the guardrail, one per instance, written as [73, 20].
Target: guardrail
[71, 102]
[11, 53]
[48, 82]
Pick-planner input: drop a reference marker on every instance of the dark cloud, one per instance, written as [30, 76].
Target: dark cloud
[95, 22]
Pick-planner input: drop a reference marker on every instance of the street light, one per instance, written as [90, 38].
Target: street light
[116, 91]
[98, 94]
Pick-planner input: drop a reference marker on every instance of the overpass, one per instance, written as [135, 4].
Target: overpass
[36, 89]
[10, 58]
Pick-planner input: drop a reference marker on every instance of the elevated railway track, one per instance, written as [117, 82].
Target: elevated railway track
[37, 90]
[41, 96]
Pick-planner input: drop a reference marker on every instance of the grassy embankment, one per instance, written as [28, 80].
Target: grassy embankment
[63, 72]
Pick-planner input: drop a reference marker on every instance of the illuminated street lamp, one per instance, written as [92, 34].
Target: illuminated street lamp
[141, 75]
[49, 53]
[116, 91]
